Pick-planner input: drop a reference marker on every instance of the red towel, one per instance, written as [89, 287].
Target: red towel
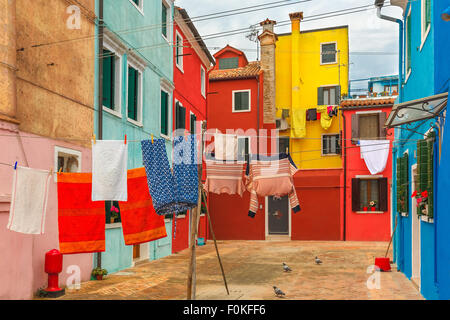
[81, 222]
[140, 223]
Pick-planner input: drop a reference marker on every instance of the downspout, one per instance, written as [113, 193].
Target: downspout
[257, 116]
[345, 176]
[379, 5]
[100, 90]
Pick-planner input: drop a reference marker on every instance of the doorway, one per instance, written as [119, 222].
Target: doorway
[278, 219]
[415, 238]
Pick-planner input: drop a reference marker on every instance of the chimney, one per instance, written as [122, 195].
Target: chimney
[296, 17]
[267, 41]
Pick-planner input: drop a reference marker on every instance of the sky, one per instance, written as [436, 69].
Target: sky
[367, 33]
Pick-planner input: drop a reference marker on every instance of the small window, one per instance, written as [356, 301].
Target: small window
[328, 95]
[369, 194]
[165, 19]
[164, 113]
[241, 101]
[67, 160]
[180, 116]
[179, 51]
[138, 4]
[369, 126]
[394, 89]
[193, 123]
[328, 53]
[112, 212]
[387, 89]
[134, 94]
[426, 17]
[243, 148]
[228, 63]
[283, 144]
[111, 80]
[203, 80]
[331, 144]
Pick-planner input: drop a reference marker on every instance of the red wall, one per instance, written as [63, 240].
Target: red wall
[319, 194]
[180, 236]
[365, 226]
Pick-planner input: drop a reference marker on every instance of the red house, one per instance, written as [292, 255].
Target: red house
[191, 63]
[364, 120]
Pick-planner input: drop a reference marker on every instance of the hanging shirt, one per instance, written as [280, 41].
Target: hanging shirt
[224, 177]
[272, 176]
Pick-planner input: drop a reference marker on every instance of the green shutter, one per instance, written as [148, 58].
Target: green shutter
[319, 96]
[164, 113]
[430, 174]
[132, 93]
[408, 43]
[402, 184]
[193, 120]
[180, 116]
[108, 79]
[164, 19]
[425, 170]
[427, 13]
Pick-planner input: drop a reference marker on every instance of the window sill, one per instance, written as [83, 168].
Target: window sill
[113, 112]
[403, 214]
[424, 38]
[141, 10]
[181, 216]
[331, 155]
[136, 123]
[113, 225]
[366, 212]
[180, 67]
[164, 37]
[327, 63]
[426, 219]
[240, 111]
[165, 137]
[167, 220]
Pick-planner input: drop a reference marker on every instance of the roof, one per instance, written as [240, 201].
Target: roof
[197, 36]
[251, 70]
[368, 102]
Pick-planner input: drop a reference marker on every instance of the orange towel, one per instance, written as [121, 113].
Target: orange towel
[140, 223]
[81, 221]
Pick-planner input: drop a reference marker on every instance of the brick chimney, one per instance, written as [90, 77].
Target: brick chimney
[296, 17]
[267, 41]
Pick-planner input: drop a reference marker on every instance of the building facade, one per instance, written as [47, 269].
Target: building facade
[46, 120]
[420, 164]
[383, 86]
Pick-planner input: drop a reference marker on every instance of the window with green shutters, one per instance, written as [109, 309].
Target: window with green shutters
[164, 113]
[426, 16]
[402, 184]
[408, 43]
[180, 116]
[228, 63]
[108, 78]
[328, 53]
[193, 123]
[328, 95]
[164, 15]
[241, 100]
[133, 93]
[425, 171]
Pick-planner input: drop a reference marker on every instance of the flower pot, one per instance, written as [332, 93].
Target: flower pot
[99, 277]
[365, 208]
[111, 220]
[373, 209]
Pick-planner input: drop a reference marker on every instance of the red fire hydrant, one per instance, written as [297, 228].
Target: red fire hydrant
[53, 266]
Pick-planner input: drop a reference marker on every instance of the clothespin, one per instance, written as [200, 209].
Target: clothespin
[51, 171]
[125, 139]
[15, 166]
[152, 138]
[60, 169]
[95, 140]
[185, 135]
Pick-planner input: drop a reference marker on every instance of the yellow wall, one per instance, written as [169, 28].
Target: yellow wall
[311, 75]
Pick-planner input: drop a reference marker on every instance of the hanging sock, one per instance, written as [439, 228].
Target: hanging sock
[109, 170]
[29, 200]
[375, 154]
[298, 123]
[81, 221]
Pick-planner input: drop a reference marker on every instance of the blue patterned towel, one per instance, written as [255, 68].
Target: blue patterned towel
[177, 192]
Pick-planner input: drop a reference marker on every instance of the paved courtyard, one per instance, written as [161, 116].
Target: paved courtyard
[253, 267]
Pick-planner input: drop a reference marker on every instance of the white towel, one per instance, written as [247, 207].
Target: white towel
[29, 200]
[375, 154]
[226, 146]
[109, 170]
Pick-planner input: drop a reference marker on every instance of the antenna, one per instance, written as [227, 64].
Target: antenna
[252, 35]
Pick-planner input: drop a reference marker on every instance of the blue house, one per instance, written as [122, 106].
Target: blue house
[134, 70]
[421, 166]
[386, 85]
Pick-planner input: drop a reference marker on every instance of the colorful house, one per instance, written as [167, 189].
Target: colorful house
[136, 68]
[420, 156]
[46, 120]
[312, 74]
[383, 86]
[363, 119]
[192, 60]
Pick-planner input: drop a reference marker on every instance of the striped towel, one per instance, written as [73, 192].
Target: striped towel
[224, 177]
[272, 176]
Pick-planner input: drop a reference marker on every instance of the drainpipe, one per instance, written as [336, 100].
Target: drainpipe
[344, 138]
[379, 5]
[100, 91]
[257, 117]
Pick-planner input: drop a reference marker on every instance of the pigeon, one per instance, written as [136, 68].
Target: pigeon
[286, 267]
[317, 260]
[278, 292]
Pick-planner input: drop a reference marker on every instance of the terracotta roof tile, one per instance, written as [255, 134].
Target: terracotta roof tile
[368, 102]
[249, 71]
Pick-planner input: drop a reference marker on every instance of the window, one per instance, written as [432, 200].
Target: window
[328, 95]
[369, 190]
[193, 123]
[402, 184]
[331, 144]
[164, 113]
[179, 51]
[368, 126]
[387, 89]
[67, 160]
[180, 116]
[394, 89]
[426, 19]
[241, 100]
[408, 45]
[228, 63]
[139, 4]
[112, 212]
[328, 53]
[283, 144]
[243, 148]
[134, 103]
[425, 172]
[111, 80]
[203, 80]
[165, 19]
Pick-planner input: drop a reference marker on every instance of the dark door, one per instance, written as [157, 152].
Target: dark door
[278, 211]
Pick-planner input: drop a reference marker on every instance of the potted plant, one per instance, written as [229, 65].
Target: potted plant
[114, 214]
[98, 273]
[373, 205]
[365, 208]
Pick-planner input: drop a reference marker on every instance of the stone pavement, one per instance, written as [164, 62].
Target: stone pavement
[253, 267]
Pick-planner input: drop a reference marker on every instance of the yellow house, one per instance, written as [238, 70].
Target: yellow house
[311, 73]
